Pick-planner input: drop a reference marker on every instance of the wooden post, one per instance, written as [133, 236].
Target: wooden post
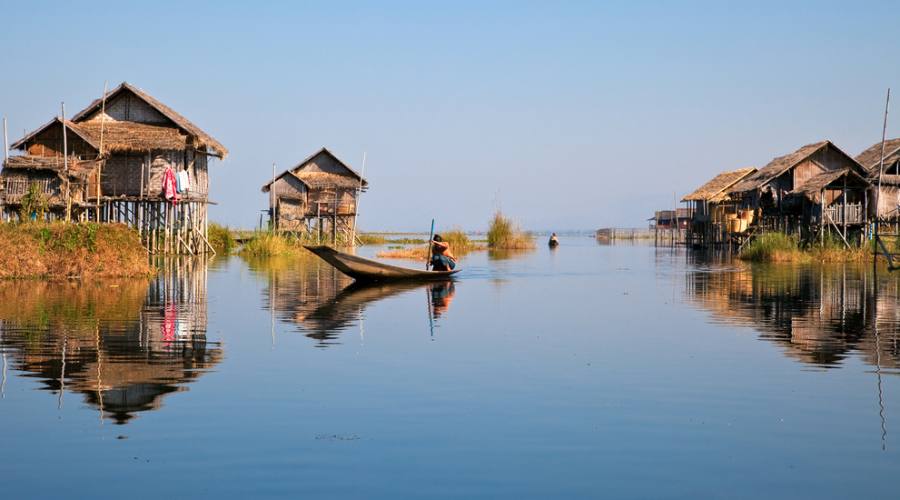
[822, 218]
[272, 223]
[844, 208]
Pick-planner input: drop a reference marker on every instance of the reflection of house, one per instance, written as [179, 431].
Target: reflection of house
[712, 206]
[816, 187]
[317, 196]
[889, 196]
[128, 141]
[122, 349]
[820, 315]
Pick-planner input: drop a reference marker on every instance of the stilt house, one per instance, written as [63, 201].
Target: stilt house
[816, 188]
[712, 205]
[108, 163]
[889, 196]
[317, 197]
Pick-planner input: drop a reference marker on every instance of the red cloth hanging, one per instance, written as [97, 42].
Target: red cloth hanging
[170, 189]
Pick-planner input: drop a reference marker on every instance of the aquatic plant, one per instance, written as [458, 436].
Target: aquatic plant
[221, 239]
[504, 234]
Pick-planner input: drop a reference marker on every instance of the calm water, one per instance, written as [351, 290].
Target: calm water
[589, 371]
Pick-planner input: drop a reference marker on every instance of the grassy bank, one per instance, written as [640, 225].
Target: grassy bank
[504, 234]
[61, 251]
[777, 247]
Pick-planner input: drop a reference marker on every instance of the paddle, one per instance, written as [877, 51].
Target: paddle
[430, 245]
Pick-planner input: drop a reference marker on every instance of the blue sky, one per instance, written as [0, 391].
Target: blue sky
[569, 116]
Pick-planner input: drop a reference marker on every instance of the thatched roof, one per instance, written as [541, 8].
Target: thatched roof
[784, 163]
[78, 169]
[200, 138]
[322, 180]
[813, 186]
[133, 137]
[714, 190]
[871, 157]
[777, 167]
[55, 122]
[118, 136]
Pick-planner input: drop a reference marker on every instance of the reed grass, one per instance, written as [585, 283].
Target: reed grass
[504, 234]
[268, 244]
[221, 239]
[778, 247]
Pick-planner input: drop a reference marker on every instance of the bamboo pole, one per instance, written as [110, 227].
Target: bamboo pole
[272, 200]
[5, 142]
[358, 197]
[66, 163]
[887, 103]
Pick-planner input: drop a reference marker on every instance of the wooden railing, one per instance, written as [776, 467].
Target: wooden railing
[851, 213]
[15, 189]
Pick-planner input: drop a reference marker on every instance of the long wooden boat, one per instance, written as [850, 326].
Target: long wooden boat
[362, 269]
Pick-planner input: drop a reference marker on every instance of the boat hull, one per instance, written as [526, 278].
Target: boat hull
[367, 270]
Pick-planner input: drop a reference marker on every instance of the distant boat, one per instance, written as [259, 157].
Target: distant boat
[554, 242]
[367, 270]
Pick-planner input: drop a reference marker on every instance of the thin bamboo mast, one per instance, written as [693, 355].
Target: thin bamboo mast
[358, 197]
[100, 163]
[5, 142]
[66, 164]
[272, 200]
[887, 104]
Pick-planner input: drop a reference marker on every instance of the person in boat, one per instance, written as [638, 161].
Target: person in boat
[554, 241]
[442, 259]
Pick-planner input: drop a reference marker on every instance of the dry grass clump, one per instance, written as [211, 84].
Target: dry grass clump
[266, 244]
[504, 234]
[62, 251]
[408, 253]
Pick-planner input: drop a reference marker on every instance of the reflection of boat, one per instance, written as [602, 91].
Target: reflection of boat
[335, 314]
[369, 270]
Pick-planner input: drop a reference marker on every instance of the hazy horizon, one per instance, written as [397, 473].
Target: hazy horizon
[573, 116]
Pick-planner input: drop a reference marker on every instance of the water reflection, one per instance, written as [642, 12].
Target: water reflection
[121, 344]
[820, 315]
[323, 302]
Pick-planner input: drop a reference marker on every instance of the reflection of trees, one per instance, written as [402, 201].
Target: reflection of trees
[123, 344]
[820, 314]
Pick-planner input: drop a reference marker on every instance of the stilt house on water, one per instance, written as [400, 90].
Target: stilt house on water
[111, 163]
[889, 196]
[713, 207]
[815, 189]
[318, 197]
